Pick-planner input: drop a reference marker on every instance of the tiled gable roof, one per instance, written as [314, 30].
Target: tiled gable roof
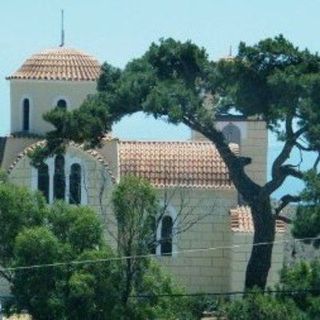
[59, 64]
[241, 220]
[167, 164]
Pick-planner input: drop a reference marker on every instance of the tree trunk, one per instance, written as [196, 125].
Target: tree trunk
[128, 282]
[264, 233]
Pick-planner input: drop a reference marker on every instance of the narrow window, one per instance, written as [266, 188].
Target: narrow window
[26, 115]
[166, 236]
[59, 179]
[75, 184]
[232, 134]
[152, 241]
[62, 104]
[43, 180]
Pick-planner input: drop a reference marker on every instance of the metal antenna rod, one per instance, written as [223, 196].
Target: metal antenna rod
[62, 29]
[230, 51]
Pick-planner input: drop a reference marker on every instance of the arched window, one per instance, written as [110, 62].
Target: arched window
[75, 184]
[59, 179]
[152, 241]
[166, 236]
[232, 134]
[62, 104]
[26, 115]
[43, 180]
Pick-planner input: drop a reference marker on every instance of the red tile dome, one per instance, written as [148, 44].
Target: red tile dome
[59, 64]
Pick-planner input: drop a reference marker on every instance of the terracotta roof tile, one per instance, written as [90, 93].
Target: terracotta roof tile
[241, 220]
[166, 164]
[59, 64]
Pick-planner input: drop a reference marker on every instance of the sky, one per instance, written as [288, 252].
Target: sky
[118, 31]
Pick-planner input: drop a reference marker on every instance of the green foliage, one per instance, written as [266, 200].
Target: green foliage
[304, 278]
[297, 297]
[94, 288]
[68, 234]
[19, 208]
[3, 176]
[62, 268]
[197, 305]
[306, 223]
[109, 77]
[77, 226]
[35, 289]
[260, 306]
[135, 208]
[311, 194]
[272, 80]
[141, 283]
[155, 297]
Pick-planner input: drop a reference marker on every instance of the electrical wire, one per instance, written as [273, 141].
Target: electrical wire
[101, 260]
[215, 294]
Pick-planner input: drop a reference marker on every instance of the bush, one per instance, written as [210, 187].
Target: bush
[259, 306]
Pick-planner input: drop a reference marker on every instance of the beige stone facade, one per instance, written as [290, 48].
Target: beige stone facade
[43, 96]
[253, 144]
[240, 255]
[208, 253]
[203, 257]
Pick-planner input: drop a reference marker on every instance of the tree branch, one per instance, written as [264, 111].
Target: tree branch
[280, 171]
[285, 200]
[5, 275]
[289, 170]
[284, 219]
[288, 146]
[316, 163]
[243, 183]
[303, 148]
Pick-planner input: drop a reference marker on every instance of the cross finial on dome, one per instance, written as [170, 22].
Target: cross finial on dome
[62, 29]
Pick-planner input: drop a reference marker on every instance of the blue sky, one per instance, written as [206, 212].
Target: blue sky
[117, 31]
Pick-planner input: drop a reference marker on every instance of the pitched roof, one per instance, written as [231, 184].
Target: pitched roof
[59, 64]
[241, 220]
[195, 164]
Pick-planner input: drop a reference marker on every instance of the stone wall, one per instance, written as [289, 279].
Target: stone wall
[207, 270]
[43, 96]
[216, 268]
[254, 144]
[4, 288]
[240, 257]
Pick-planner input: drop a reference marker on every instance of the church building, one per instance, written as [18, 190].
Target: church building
[209, 229]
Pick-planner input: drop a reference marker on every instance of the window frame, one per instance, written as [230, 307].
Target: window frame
[61, 97]
[167, 242]
[239, 135]
[75, 175]
[21, 111]
[171, 212]
[46, 193]
[69, 161]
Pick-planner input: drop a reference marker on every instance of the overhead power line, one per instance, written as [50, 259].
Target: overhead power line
[211, 294]
[102, 260]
